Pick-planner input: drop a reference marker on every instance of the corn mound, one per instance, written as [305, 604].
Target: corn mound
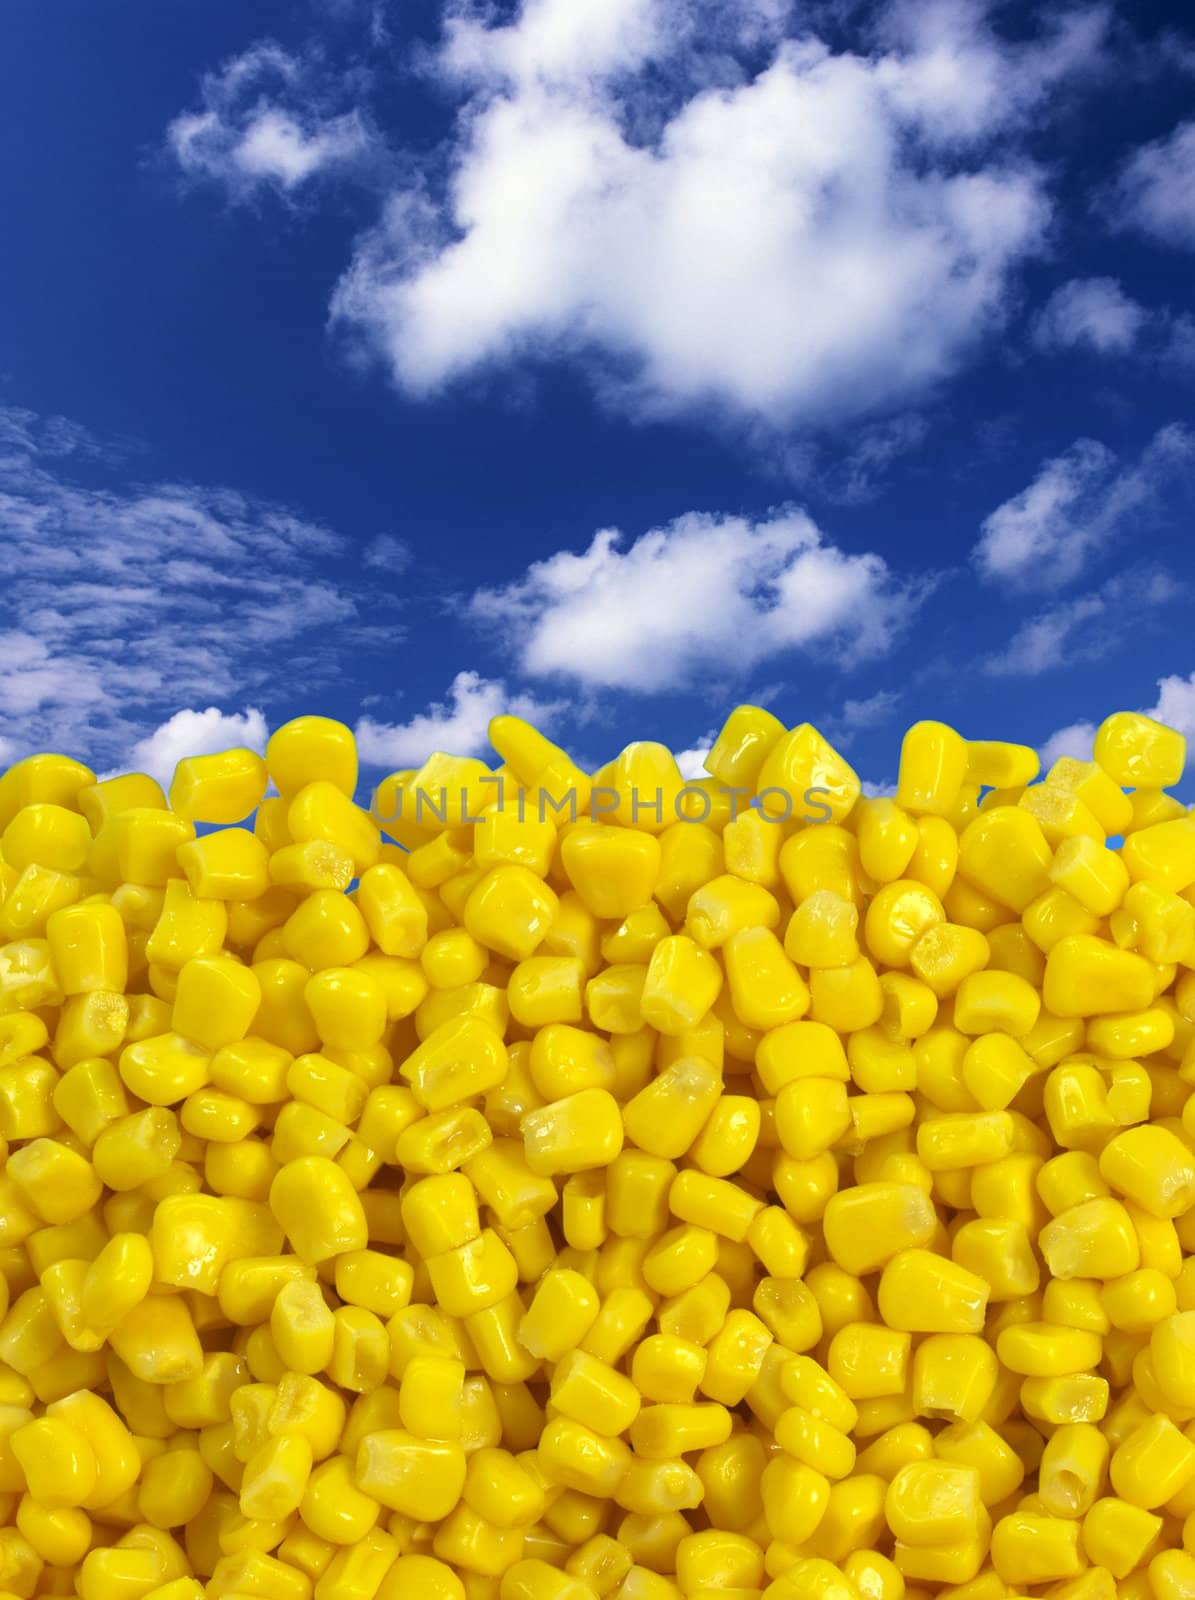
[537, 1185]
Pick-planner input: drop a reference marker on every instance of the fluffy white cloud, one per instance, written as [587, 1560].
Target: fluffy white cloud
[129, 602]
[1086, 627]
[196, 733]
[1155, 192]
[1175, 706]
[705, 594]
[815, 238]
[1094, 312]
[457, 724]
[267, 118]
[1078, 504]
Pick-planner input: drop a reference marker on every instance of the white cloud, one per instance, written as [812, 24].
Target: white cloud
[196, 733]
[457, 725]
[818, 238]
[1175, 706]
[1155, 192]
[1078, 504]
[1085, 627]
[703, 594]
[129, 602]
[267, 118]
[1094, 312]
[692, 761]
[1075, 740]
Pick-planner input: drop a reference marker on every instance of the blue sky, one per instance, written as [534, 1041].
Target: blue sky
[610, 360]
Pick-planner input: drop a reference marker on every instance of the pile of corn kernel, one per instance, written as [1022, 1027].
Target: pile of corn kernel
[685, 1197]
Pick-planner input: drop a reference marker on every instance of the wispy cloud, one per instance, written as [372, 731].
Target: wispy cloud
[1155, 190]
[1090, 312]
[856, 716]
[1079, 503]
[127, 602]
[821, 238]
[387, 553]
[698, 595]
[1086, 627]
[269, 118]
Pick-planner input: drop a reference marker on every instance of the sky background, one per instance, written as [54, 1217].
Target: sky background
[611, 361]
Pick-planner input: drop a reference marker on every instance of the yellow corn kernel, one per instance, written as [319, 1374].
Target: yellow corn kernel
[509, 911]
[766, 990]
[1003, 853]
[1117, 1535]
[663, 1432]
[811, 1115]
[1085, 976]
[576, 1134]
[747, 737]
[307, 748]
[216, 1001]
[1151, 1167]
[815, 1442]
[933, 1503]
[438, 1143]
[846, 998]
[866, 1225]
[59, 1464]
[593, 1393]
[562, 1311]
[318, 1209]
[1030, 1549]
[325, 930]
[1073, 1469]
[729, 1137]
[474, 1275]
[954, 1376]
[869, 1360]
[157, 1341]
[802, 770]
[924, 1293]
[962, 1139]
[1093, 1239]
[1135, 751]
[429, 1397]
[229, 864]
[314, 864]
[934, 761]
[302, 1327]
[54, 1180]
[1152, 1464]
[218, 788]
